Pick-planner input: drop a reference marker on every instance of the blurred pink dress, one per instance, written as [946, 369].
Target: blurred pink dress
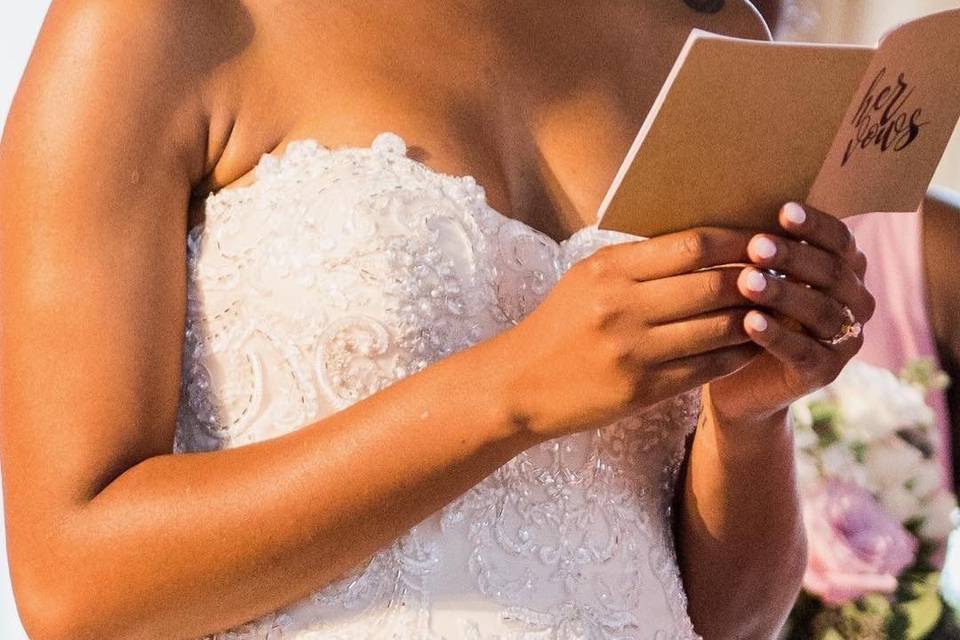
[900, 329]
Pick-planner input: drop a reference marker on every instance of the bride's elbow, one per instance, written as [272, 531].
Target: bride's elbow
[760, 609]
[53, 599]
[51, 609]
[790, 579]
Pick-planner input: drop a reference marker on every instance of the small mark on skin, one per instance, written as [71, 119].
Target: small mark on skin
[424, 415]
[135, 177]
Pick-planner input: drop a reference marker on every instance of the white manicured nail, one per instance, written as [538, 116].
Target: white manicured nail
[755, 281]
[794, 213]
[764, 247]
[757, 322]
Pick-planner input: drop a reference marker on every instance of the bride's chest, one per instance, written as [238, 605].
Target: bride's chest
[338, 273]
[331, 243]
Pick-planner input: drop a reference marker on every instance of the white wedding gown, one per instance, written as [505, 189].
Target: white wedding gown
[339, 271]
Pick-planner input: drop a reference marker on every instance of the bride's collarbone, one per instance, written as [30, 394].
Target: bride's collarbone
[539, 176]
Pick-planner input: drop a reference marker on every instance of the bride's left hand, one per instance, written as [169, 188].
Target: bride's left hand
[793, 361]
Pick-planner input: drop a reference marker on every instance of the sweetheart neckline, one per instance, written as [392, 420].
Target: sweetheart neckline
[385, 142]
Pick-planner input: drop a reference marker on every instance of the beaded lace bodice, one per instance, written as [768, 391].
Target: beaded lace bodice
[339, 271]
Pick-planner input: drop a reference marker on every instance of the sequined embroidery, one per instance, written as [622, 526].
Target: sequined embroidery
[338, 272]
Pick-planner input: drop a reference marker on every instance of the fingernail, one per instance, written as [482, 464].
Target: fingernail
[757, 322]
[755, 281]
[764, 247]
[794, 213]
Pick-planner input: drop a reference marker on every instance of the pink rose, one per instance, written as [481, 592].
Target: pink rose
[855, 547]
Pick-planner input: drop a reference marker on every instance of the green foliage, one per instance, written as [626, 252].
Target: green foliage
[924, 373]
[826, 417]
[915, 612]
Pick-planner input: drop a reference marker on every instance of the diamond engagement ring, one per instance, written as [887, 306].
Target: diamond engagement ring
[851, 328]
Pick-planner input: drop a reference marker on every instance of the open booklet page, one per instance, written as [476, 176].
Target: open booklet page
[742, 126]
[899, 123]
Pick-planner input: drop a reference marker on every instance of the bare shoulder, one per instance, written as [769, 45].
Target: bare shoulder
[189, 38]
[108, 131]
[157, 67]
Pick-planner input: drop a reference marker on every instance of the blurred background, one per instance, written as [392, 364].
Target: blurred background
[849, 21]
[864, 22]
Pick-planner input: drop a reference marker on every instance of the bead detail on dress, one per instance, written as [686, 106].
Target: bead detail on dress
[337, 273]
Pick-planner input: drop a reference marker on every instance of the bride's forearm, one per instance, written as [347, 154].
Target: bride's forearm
[740, 541]
[186, 544]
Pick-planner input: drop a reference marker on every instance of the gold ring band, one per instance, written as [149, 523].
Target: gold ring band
[851, 328]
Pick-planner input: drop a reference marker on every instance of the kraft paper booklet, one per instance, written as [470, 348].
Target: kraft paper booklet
[742, 126]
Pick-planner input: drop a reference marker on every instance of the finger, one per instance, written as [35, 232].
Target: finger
[810, 359]
[814, 266]
[702, 292]
[697, 335]
[822, 230]
[692, 371]
[675, 253]
[822, 315]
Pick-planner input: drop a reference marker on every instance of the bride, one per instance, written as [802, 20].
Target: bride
[309, 332]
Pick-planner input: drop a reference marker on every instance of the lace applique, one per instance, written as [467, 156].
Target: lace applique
[339, 272]
[581, 518]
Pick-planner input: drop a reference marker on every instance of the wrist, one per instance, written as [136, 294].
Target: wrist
[507, 409]
[743, 437]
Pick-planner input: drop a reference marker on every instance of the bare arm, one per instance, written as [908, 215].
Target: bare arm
[741, 538]
[742, 541]
[941, 238]
[105, 138]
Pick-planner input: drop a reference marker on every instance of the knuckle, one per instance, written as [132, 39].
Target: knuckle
[869, 305]
[861, 262]
[600, 264]
[847, 240]
[628, 391]
[603, 311]
[775, 293]
[729, 324]
[835, 270]
[714, 284]
[695, 244]
[844, 237]
[830, 314]
[620, 353]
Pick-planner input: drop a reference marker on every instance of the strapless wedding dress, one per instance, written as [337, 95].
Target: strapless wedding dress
[340, 271]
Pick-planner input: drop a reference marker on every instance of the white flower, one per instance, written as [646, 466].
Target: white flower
[807, 471]
[838, 461]
[875, 403]
[892, 463]
[805, 439]
[927, 480]
[802, 418]
[900, 503]
[861, 415]
[937, 520]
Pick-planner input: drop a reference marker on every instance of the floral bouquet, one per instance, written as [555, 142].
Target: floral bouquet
[876, 509]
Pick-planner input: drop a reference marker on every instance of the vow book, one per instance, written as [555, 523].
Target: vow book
[741, 127]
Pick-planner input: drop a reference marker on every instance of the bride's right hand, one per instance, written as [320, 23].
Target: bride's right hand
[630, 325]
